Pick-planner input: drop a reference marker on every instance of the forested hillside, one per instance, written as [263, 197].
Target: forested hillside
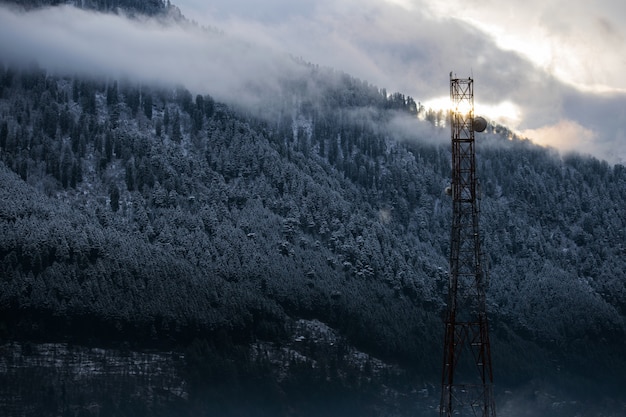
[157, 218]
[142, 7]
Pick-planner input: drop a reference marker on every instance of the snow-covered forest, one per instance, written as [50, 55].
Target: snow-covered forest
[148, 217]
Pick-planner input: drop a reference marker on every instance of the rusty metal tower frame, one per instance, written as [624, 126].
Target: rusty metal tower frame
[467, 380]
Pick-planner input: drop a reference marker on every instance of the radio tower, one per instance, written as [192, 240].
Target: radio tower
[467, 375]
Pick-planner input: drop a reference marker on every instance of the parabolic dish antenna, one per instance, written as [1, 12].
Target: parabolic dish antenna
[479, 124]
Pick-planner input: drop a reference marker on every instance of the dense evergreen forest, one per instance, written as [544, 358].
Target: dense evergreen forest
[153, 218]
[132, 7]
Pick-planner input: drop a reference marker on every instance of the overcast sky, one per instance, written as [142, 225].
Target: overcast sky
[549, 69]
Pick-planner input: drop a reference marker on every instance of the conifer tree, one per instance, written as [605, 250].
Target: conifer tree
[114, 195]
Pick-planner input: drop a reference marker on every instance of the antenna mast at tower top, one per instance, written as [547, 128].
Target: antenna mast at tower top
[467, 374]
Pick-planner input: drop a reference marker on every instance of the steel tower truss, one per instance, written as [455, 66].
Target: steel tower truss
[467, 374]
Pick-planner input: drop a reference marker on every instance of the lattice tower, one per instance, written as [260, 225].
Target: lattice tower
[467, 380]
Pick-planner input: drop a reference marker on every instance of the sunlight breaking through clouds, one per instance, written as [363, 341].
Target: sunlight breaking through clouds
[566, 135]
[534, 63]
[505, 112]
[532, 68]
[580, 43]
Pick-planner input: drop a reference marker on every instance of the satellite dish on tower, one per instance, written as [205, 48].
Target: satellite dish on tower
[479, 124]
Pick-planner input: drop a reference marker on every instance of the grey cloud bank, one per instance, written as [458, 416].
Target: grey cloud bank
[401, 45]
[554, 73]
[70, 40]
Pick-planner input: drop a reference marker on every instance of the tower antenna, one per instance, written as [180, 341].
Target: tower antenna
[467, 377]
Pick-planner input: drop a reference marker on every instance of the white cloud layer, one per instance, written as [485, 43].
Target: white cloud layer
[536, 64]
[566, 135]
[579, 42]
[71, 40]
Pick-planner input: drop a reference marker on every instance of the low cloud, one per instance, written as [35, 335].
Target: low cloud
[532, 67]
[566, 135]
[408, 128]
[408, 46]
[70, 40]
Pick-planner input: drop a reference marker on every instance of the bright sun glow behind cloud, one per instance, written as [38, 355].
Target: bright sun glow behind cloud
[580, 43]
[566, 135]
[505, 113]
[551, 69]
[541, 68]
